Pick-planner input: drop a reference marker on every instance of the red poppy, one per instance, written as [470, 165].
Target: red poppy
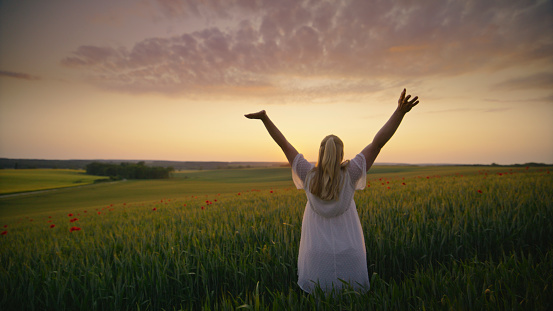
[73, 220]
[52, 226]
[99, 213]
[85, 211]
[70, 215]
[5, 226]
[271, 191]
[213, 200]
[202, 207]
[74, 229]
[403, 183]
[238, 193]
[388, 187]
[4, 232]
[154, 209]
[185, 204]
[479, 191]
[49, 221]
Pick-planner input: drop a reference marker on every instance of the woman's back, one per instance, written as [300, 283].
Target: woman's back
[332, 246]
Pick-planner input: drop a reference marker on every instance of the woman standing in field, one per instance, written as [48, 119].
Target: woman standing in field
[332, 247]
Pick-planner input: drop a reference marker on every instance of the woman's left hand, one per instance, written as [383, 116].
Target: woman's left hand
[256, 115]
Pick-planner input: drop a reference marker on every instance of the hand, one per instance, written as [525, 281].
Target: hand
[404, 104]
[256, 115]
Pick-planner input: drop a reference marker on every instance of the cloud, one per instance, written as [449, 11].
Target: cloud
[343, 43]
[542, 80]
[18, 75]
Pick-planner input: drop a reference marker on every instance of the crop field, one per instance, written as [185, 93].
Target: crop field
[16, 181]
[461, 238]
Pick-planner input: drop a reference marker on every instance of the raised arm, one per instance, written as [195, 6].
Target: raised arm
[286, 147]
[387, 131]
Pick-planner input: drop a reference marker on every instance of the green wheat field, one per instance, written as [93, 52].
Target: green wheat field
[437, 238]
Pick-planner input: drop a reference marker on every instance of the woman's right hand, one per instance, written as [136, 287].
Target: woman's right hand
[404, 104]
[256, 115]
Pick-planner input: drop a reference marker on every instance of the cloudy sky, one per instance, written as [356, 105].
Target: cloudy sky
[172, 79]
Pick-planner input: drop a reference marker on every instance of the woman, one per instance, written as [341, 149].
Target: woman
[332, 247]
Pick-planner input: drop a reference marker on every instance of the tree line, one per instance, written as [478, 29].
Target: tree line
[128, 170]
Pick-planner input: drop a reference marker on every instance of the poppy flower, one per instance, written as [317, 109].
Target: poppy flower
[388, 187]
[99, 213]
[52, 226]
[271, 191]
[74, 229]
[238, 193]
[479, 191]
[154, 209]
[4, 232]
[73, 220]
[202, 207]
[5, 226]
[70, 215]
[185, 204]
[403, 183]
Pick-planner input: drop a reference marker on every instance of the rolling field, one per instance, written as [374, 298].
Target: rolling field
[459, 238]
[16, 181]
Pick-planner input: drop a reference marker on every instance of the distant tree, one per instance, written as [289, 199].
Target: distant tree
[128, 171]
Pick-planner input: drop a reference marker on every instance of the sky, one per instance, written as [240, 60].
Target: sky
[172, 79]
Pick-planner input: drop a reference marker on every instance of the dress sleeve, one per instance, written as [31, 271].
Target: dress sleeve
[300, 168]
[357, 169]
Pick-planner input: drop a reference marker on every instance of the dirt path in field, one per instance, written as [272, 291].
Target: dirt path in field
[11, 195]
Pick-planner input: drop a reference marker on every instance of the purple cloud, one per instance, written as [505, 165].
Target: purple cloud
[542, 80]
[18, 75]
[345, 40]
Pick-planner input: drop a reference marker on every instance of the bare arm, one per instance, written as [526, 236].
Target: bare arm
[387, 131]
[275, 133]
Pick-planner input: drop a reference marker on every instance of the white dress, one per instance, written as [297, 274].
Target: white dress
[332, 247]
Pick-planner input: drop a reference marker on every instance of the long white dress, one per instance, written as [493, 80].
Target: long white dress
[332, 247]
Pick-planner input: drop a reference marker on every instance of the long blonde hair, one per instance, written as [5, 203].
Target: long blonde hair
[327, 178]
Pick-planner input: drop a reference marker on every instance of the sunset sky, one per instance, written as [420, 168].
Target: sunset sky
[172, 79]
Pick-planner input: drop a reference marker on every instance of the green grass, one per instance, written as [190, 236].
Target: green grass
[182, 185]
[15, 181]
[467, 239]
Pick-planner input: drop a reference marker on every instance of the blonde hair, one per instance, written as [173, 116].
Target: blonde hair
[327, 178]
